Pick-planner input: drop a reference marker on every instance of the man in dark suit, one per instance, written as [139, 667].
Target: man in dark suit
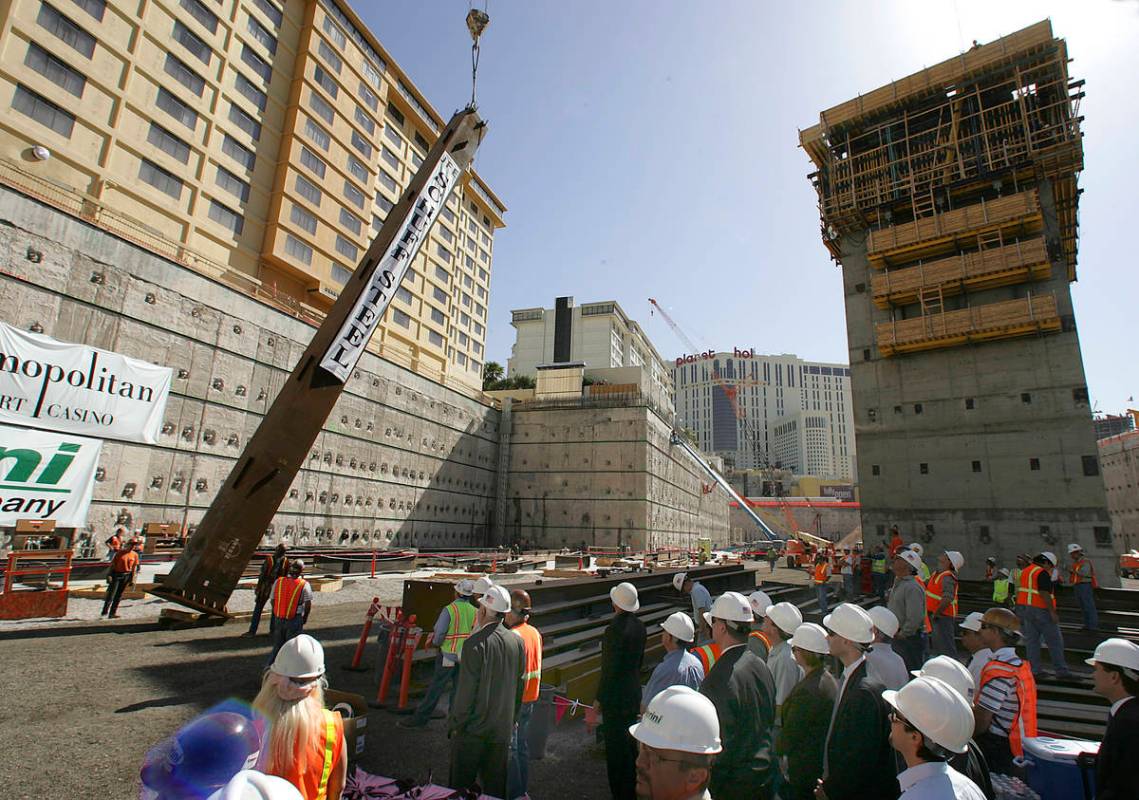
[741, 688]
[858, 761]
[807, 713]
[1116, 677]
[619, 693]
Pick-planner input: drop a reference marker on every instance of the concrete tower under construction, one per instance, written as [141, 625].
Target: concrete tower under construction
[949, 198]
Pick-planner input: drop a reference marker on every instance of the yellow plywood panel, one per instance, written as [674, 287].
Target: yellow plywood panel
[979, 323]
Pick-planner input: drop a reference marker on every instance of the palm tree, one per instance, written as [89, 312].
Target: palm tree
[491, 374]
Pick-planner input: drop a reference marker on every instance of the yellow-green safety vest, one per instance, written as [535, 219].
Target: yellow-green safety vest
[1001, 588]
[462, 620]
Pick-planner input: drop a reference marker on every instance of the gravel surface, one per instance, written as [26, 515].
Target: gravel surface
[84, 700]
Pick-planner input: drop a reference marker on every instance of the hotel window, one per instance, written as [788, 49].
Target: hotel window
[177, 69]
[396, 114]
[404, 295]
[65, 30]
[271, 11]
[435, 337]
[480, 310]
[312, 161]
[245, 121]
[467, 282]
[256, 63]
[357, 168]
[306, 189]
[416, 159]
[334, 32]
[232, 184]
[340, 274]
[323, 109]
[206, 18]
[372, 75]
[354, 194]
[369, 97]
[96, 8]
[346, 248]
[303, 219]
[261, 35]
[297, 249]
[392, 136]
[478, 329]
[388, 182]
[391, 158]
[238, 152]
[351, 221]
[192, 42]
[63, 76]
[377, 223]
[419, 140]
[160, 179]
[318, 134]
[42, 111]
[366, 122]
[176, 108]
[226, 217]
[437, 316]
[361, 145]
[401, 318]
[445, 234]
[443, 252]
[464, 340]
[439, 295]
[329, 55]
[448, 215]
[250, 92]
[442, 274]
[325, 81]
[384, 203]
[168, 143]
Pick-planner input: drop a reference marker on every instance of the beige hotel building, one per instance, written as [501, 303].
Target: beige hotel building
[262, 142]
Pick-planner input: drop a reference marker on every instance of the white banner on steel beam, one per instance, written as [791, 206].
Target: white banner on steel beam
[78, 389]
[350, 341]
[46, 476]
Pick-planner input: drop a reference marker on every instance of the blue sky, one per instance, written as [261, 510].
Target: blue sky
[649, 149]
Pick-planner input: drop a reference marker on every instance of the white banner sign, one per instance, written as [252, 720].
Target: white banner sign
[46, 476]
[73, 388]
[361, 323]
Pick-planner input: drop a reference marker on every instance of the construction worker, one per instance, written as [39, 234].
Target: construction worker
[452, 628]
[487, 700]
[929, 724]
[846, 569]
[481, 587]
[120, 575]
[970, 763]
[806, 713]
[701, 603]
[1115, 677]
[819, 578]
[678, 667]
[878, 569]
[1002, 587]
[923, 570]
[907, 601]
[273, 567]
[895, 541]
[882, 662]
[305, 742]
[971, 638]
[114, 542]
[1005, 706]
[1081, 575]
[780, 623]
[758, 641]
[677, 738]
[941, 602]
[857, 759]
[1036, 607]
[1022, 561]
[990, 568]
[518, 621]
[292, 603]
[619, 691]
[742, 690]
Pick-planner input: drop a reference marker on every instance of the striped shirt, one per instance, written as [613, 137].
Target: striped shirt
[999, 695]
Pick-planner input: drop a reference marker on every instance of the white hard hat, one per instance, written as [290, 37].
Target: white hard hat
[465, 587]
[1050, 556]
[973, 621]
[759, 602]
[955, 558]
[678, 580]
[910, 557]
[786, 616]
[935, 709]
[299, 657]
[1118, 652]
[496, 599]
[1074, 548]
[249, 784]
[482, 585]
[624, 596]
[952, 672]
[1004, 571]
[917, 548]
[730, 606]
[884, 620]
[850, 622]
[682, 719]
[812, 637]
[680, 626]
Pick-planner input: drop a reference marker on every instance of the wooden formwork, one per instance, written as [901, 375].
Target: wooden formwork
[1022, 317]
[1013, 263]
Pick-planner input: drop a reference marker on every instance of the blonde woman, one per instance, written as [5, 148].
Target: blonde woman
[305, 741]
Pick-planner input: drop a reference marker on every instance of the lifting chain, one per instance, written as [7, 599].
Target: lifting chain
[476, 24]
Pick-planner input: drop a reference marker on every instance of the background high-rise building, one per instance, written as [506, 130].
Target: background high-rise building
[949, 197]
[775, 397]
[260, 142]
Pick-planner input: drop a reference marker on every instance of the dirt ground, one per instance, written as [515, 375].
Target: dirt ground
[82, 702]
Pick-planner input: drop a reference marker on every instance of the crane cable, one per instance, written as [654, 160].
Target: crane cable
[476, 24]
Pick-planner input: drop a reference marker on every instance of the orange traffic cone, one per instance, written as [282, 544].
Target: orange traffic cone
[580, 565]
[494, 565]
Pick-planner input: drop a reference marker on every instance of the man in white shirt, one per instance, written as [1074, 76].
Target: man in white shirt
[883, 664]
[847, 571]
[971, 638]
[701, 602]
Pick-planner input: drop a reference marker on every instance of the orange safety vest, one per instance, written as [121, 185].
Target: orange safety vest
[321, 758]
[125, 561]
[532, 669]
[1074, 577]
[287, 596]
[926, 626]
[1026, 592]
[988, 573]
[933, 595]
[708, 655]
[822, 573]
[1024, 724]
[762, 637]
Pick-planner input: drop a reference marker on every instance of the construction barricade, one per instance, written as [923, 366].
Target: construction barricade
[35, 584]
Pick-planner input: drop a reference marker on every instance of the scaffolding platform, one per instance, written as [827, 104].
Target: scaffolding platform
[1005, 320]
